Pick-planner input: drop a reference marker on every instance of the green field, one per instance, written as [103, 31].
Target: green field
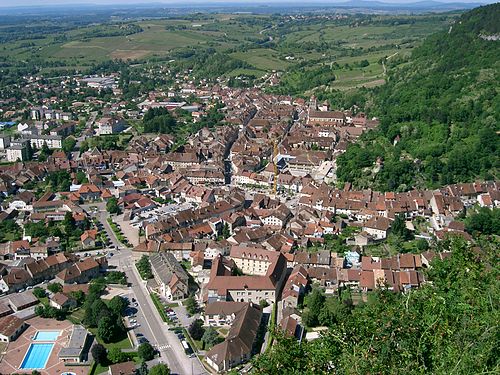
[260, 44]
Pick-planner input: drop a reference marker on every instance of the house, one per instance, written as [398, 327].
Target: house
[11, 327]
[61, 301]
[77, 349]
[377, 227]
[170, 276]
[21, 301]
[238, 346]
[253, 260]
[124, 368]
[222, 313]
[108, 125]
[89, 237]
[223, 286]
[80, 272]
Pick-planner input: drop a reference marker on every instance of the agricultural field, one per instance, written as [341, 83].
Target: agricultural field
[353, 47]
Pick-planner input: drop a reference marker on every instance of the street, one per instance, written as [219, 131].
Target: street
[151, 326]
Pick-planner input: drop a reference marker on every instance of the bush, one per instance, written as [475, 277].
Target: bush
[99, 353]
[196, 329]
[146, 352]
[39, 292]
[115, 355]
[55, 287]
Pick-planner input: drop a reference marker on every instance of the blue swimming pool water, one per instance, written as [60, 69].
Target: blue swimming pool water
[37, 356]
[46, 335]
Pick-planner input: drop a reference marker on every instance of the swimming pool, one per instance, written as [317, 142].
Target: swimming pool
[46, 335]
[37, 356]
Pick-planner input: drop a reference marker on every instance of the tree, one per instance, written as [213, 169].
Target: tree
[69, 223]
[115, 355]
[314, 301]
[399, 228]
[422, 244]
[35, 372]
[146, 352]
[99, 353]
[112, 206]
[106, 329]
[191, 305]
[143, 369]
[226, 233]
[39, 292]
[117, 305]
[54, 287]
[196, 329]
[68, 144]
[159, 369]
[211, 337]
[485, 220]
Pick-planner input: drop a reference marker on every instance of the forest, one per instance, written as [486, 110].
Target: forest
[439, 113]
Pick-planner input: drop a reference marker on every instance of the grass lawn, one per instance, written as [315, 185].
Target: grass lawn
[76, 317]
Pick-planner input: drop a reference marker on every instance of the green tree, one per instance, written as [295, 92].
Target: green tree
[115, 355]
[314, 301]
[211, 337]
[99, 353]
[39, 293]
[146, 352]
[485, 221]
[54, 287]
[196, 329]
[69, 223]
[112, 206]
[106, 329]
[191, 305]
[117, 305]
[226, 233]
[159, 369]
[68, 144]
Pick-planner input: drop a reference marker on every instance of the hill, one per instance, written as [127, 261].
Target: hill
[439, 112]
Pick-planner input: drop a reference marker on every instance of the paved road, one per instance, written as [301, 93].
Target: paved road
[152, 325]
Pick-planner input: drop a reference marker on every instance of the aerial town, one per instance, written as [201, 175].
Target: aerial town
[203, 248]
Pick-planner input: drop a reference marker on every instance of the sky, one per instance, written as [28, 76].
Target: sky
[6, 3]
[62, 2]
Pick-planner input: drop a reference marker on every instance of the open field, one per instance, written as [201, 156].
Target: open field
[353, 48]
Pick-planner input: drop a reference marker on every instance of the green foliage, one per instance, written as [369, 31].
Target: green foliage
[99, 353]
[108, 328]
[211, 337]
[191, 305]
[398, 228]
[146, 352]
[115, 355]
[447, 326]
[50, 312]
[68, 144]
[54, 287]
[112, 206]
[116, 277]
[196, 329]
[159, 369]
[314, 302]
[485, 221]
[302, 79]
[159, 120]
[9, 231]
[117, 305]
[144, 267]
[39, 292]
[443, 105]
[59, 180]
